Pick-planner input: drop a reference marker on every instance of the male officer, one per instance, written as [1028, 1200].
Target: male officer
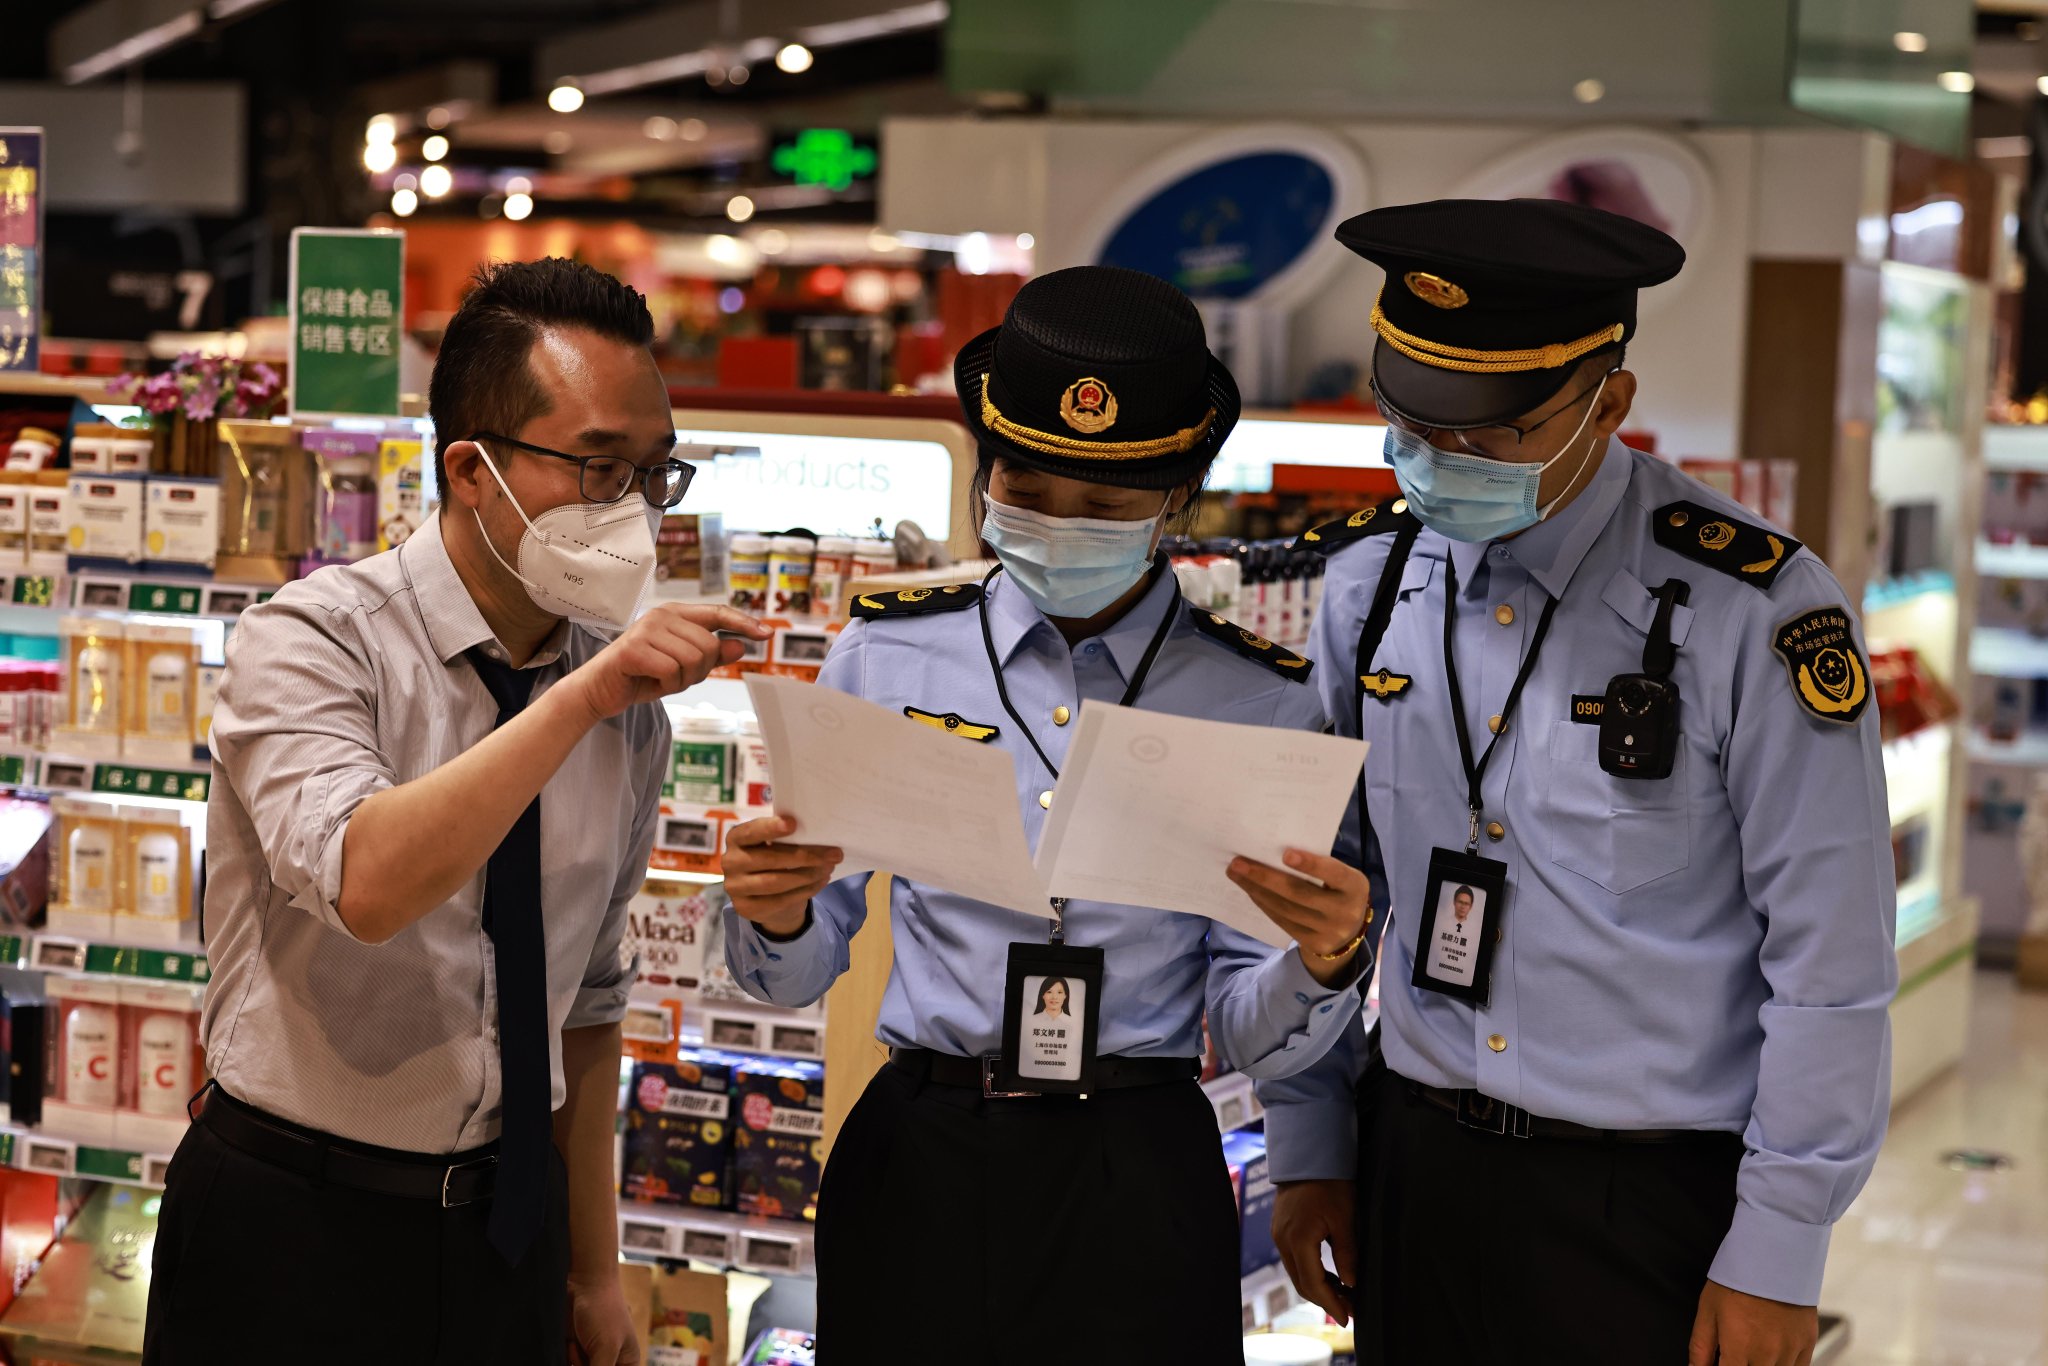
[1638, 722]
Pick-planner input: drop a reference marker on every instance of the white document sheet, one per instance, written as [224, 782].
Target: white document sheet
[894, 793]
[1165, 802]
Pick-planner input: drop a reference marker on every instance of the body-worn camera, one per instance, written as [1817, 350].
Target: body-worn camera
[1639, 730]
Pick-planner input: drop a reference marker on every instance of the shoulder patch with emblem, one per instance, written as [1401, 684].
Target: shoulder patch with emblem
[1736, 548]
[1331, 537]
[1256, 648]
[912, 602]
[954, 722]
[1828, 674]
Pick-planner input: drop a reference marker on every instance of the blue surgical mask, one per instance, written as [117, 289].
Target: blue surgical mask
[1472, 498]
[1070, 567]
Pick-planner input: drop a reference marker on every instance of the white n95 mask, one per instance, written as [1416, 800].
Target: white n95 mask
[590, 562]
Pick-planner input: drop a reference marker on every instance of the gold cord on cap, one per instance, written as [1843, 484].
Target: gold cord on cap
[1471, 361]
[1052, 443]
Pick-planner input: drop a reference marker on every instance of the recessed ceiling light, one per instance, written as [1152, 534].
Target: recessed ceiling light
[1910, 42]
[1025, 241]
[403, 202]
[739, 208]
[794, 58]
[1589, 91]
[380, 157]
[565, 98]
[557, 142]
[659, 128]
[693, 130]
[1957, 82]
[383, 128]
[438, 117]
[434, 148]
[436, 181]
[518, 206]
[519, 184]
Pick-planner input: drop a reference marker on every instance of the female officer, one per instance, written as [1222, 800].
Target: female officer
[1098, 409]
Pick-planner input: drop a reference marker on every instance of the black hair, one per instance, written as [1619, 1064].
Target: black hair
[1465, 892]
[1047, 985]
[482, 381]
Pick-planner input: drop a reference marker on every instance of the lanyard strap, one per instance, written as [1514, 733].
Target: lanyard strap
[1475, 773]
[988, 640]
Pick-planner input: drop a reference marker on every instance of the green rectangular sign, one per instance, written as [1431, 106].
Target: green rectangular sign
[151, 782]
[180, 599]
[348, 305]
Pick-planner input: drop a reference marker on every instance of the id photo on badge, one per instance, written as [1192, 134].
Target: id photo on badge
[1456, 933]
[1051, 1029]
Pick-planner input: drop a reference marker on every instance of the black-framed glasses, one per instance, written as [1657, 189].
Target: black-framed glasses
[1491, 441]
[608, 478]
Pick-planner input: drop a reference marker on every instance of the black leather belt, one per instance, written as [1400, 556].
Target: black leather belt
[1476, 1110]
[976, 1074]
[454, 1179]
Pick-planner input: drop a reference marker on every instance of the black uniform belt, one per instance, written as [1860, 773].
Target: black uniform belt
[1111, 1073]
[1477, 1110]
[452, 1179]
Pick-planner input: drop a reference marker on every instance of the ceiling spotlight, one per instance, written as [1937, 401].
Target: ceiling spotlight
[380, 157]
[878, 240]
[1910, 42]
[403, 202]
[723, 249]
[1589, 91]
[406, 181]
[974, 255]
[1025, 241]
[2042, 85]
[557, 143]
[1957, 82]
[436, 181]
[772, 241]
[383, 128]
[438, 118]
[434, 148]
[692, 130]
[518, 206]
[795, 59]
[739, 75]
[519, 184]
[739, 208]
[565, 98]
[659, 128]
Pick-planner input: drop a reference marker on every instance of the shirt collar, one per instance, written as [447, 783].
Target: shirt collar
[1552, 550]
[453, 623]
[1012, 618]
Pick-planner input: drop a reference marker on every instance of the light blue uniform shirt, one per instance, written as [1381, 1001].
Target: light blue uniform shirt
[1712, 950]
[1267, 1016]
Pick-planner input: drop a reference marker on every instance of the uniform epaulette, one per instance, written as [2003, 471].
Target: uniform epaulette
[1258, 649]
[912, 602]
[1736, 548]
[1331, 537]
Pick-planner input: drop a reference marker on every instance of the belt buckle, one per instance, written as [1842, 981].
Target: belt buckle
[1477, 1110]
[448, 1177]
[988, 1082]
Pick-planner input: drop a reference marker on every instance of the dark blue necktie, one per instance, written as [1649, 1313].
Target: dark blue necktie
[512, 919]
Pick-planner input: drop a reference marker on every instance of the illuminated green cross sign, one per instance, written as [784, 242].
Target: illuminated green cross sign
[825, 156]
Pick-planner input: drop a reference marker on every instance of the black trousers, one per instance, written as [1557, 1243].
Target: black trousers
[257, 1264]
[1027, 1230]
[1481, 1249]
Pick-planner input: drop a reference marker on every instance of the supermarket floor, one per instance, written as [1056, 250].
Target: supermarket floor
[1942, 1267]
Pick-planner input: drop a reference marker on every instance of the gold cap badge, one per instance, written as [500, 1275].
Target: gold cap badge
[1088, 406]
[1435, 290]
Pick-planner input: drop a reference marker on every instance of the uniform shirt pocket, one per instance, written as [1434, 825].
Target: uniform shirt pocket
[1621, 833]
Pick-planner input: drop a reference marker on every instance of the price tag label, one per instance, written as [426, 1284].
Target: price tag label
[48, 1155]
[60, 955]
[109, 1164]
[10, 950]
[13, 768]
[174, 598]
[770, 1254]
[649, 1237]
[121, 780]
[154, 1169]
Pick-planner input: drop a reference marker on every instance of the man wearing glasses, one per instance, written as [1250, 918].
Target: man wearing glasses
[1635, 735]
[436, 776]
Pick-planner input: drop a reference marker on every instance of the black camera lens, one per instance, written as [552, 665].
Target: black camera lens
[1634, 698]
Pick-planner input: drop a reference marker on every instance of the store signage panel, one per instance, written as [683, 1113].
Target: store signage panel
[348, 306]
[831, 157]
[832, 485]
[21, 247]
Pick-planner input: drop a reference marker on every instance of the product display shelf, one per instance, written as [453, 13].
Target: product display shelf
[743, 1242]
[106, 957]
[2018, 560]
[88, 388]
[114, 779]
[30, 1150]
[2028, 750]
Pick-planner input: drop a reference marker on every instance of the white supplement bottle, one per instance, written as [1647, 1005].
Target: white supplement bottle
[96, 703]
[156, 876]
[163, 1049]
[168, 716]
[89, 1056]
[89, 874]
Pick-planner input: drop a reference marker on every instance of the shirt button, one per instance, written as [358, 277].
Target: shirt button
[1045, 799]
[1326, 1010]
[1504, 614]
[1301, 996]
[1496, 832]
[1496, 723]
[1060, 716]
[1094, 647]
[1497, 1042]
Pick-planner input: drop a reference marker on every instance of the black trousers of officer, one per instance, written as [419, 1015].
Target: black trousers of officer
[1480, 1248]
[1028, 1230]
[258, 1264]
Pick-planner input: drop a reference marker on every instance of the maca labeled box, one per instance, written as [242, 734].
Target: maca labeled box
[779, 1139]
[679, 1131]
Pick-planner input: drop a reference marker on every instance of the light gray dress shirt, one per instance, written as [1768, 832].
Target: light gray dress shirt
[345, 684]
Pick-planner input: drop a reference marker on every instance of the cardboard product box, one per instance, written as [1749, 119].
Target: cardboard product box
[690, 1322]
[106, 516]
[29, 1205]
[93, 1288]
[778, 1142]
[181, 521]
[49, 522]
[665, 926]
[14, 520]
[401, 491]
[84, 1060]
[24, 861]
[1245, 1151]
[688, 556]
[679, 1131]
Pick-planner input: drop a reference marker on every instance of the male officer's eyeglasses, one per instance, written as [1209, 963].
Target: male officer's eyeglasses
[1493, 441]
[608, 478]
